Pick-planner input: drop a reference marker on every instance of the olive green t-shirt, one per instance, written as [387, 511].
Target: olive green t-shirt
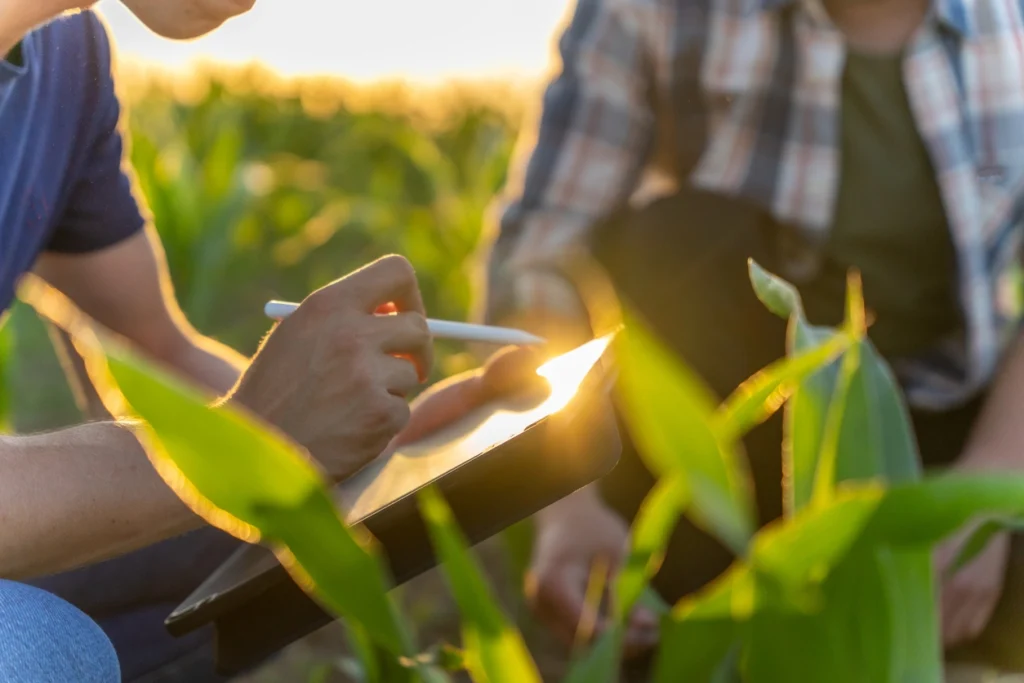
[889, 218]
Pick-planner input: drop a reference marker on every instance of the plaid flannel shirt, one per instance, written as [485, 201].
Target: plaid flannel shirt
[741, 97]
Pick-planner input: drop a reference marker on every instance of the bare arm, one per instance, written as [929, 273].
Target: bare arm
[332, 376]
[80, 495]
[126, 288]
[997, 442]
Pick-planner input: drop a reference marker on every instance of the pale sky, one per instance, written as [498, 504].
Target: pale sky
[421, 40]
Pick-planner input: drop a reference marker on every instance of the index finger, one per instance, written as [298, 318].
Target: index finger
[388, 280]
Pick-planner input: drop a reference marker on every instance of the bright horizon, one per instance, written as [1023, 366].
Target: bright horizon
[424, 42]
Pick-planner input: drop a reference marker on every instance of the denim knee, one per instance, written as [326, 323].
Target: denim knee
[46, 640]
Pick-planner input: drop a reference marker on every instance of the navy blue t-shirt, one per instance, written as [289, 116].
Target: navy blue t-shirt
[64, 186]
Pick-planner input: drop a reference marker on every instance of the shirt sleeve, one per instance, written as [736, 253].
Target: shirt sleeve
[590, 148]
[102, 207]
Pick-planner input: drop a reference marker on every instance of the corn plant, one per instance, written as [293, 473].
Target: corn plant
[840, 589]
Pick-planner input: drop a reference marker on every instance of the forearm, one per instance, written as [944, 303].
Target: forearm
[997, 440]
[207, 362]
[80, 495]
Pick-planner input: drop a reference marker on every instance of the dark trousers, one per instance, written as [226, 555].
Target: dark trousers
[681, 263]
[130, 596]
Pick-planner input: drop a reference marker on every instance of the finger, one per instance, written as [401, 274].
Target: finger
[559, 603]
[399, 376]
[441, 405]
[390, 279]
[960, 625]
[979, 619]
[643, 619]
[406, 334]
[513, 369]
[956, 614]
[642, 632]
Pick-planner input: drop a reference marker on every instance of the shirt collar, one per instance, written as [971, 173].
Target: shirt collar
[9, 71]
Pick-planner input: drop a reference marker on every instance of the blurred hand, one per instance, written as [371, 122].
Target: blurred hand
[511, 370]
[185, 19]
[969, 597]
[330, 375]
[573, 536]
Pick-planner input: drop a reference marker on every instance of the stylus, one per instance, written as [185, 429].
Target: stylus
[440, 329]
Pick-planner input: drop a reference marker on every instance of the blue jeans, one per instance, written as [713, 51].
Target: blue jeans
[130, 596]
[43, 639]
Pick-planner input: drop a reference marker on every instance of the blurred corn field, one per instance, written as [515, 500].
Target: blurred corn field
[264, 188]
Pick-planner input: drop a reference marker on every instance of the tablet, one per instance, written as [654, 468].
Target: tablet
[497, 465]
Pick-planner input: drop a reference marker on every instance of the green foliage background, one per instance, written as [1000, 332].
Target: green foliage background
[262, 189]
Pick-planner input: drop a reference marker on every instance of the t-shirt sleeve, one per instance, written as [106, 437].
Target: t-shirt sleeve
[102, 207]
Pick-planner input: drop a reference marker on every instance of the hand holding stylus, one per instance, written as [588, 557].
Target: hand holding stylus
[335, 374]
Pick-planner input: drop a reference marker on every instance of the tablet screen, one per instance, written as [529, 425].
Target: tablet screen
[413, 466]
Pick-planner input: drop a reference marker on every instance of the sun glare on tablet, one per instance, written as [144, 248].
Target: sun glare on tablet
[566, 372]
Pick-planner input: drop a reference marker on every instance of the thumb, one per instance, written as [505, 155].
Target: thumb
[441, 405]
[513, 370]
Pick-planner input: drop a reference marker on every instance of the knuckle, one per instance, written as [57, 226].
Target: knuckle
[388, 414]
[418, 330]
[320, 303]
[398, 266]
[362, 382]
[419, 324]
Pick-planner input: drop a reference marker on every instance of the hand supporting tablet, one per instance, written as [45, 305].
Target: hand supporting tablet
[499, 463]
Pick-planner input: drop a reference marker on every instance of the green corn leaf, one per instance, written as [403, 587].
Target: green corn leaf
[653, 601]
[909, 582]
[979, 538]
[825, 471]
[848, 637]
[777, 295]
[759, 397]
[494, 649]
[875, 438]
[600, 664]
[365, 652]
[252, 482]
[669, 414]
[702, 630]
[805, 416]
[924, 513]
[876, 432]
[651, 530]
[807, 547]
